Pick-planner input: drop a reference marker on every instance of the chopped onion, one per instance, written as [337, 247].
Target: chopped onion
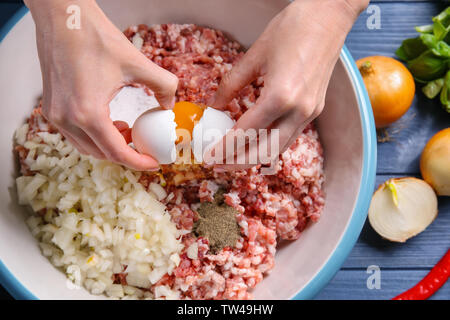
[402, 208]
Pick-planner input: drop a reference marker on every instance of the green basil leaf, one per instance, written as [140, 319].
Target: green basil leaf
[441, 25]
[432, 89]
[445, 93]
[411, 49]
[442, 49]
[428, 66]
[425, 29]
[447, 38]
[430, 40]
[439, 30]
[443, 17]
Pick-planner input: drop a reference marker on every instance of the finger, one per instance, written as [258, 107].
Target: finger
[243, 72]
[290, 130]
[162, 82]
[269, 145]
[260, 116]
[82, 142]
[113, 145]
[263, 151]
[72, 141]
[301, 127]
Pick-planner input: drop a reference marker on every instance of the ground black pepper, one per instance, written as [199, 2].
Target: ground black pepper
[217, 222]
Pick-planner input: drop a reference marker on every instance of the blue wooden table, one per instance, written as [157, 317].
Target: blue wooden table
[401, 265]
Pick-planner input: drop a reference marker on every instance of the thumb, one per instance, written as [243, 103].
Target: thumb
[162, 82]
[245, 71]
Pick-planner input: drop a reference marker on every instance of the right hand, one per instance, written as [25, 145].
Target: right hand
[295, 56]
[83, 69]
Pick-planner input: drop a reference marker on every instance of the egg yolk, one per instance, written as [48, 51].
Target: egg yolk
[186, 115]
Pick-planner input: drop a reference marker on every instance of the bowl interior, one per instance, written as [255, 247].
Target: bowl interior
[339, 125]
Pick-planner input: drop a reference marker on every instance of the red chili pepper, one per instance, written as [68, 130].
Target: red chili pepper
[431, 283]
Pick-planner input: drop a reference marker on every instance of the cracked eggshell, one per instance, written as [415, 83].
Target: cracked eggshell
[213, 125]
[154, 134]
[129, 103]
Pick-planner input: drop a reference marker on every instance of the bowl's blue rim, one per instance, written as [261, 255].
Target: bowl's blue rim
[351, 234]
[12, 21]
[359, 215]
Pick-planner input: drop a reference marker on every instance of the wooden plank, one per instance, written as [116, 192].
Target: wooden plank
[422, 251]
[351, 285]
[398, 20]
[425, 117]
[400, 155]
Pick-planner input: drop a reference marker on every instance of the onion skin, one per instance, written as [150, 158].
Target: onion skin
[400, 215]
[390, 86]
[435, 162]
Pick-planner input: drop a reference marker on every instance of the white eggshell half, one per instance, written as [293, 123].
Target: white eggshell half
[129, 103]
[154, 134]
[213, 125]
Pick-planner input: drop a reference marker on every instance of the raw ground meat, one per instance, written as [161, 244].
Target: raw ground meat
[272, 208]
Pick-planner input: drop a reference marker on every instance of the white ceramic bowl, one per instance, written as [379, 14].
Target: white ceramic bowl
[346, 129]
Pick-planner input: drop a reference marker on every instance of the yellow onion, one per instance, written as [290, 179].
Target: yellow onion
[390, 86]
[402, 208]
[435, 162]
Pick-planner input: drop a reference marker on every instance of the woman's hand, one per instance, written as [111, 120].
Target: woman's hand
[295, 55]
[83, 69]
